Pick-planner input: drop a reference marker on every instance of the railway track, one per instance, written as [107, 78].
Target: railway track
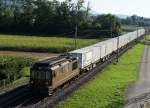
[12, 87]
[23, 98]
[10, 97]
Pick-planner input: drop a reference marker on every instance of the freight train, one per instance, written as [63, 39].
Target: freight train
[48, 75]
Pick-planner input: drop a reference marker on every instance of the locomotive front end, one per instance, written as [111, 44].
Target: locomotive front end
[41, 78]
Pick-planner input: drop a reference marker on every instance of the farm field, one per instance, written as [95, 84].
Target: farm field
[41, 44]
[36, 55]
[106, 90]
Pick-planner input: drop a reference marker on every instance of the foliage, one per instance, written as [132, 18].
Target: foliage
[41, 44]
[11, 67]
[106, 89]
[108, 22]
[25, 72]
[50, 17]
[136, 20]
[40, 15]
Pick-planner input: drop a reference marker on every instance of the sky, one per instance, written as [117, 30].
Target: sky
[125, 7]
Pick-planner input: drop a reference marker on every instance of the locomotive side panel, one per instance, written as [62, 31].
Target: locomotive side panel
[64, 73]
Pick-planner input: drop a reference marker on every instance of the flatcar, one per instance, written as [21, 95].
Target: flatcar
[48, 75]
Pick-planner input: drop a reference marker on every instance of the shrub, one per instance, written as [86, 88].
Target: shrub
[12, 68]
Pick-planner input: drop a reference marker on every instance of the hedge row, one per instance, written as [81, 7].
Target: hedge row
[11, 67]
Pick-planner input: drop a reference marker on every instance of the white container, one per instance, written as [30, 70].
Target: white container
[109, 47]
[114, 44]
[85, 56]
[96, 53]
[102, 49]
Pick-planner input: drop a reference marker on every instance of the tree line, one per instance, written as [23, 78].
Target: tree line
[54, 17]
[136, 20]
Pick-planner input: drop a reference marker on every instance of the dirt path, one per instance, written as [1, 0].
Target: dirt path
[137, 95]
[29, 54]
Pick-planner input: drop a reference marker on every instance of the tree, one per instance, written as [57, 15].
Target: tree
[1, 10]
[108, 23]
[45, 15]
[1, 13]
[53, 17]
[6, 18]
[26, 16]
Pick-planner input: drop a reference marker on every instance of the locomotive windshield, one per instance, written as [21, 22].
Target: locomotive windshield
[41, 73]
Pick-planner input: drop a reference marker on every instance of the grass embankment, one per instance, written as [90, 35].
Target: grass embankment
[106, 90]
[147, 37]
[41, 44]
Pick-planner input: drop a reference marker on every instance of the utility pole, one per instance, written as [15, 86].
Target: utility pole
[146, 31]
[118, 49]
[75, 38]
[111, 30]
[137, 33]
[76, 26]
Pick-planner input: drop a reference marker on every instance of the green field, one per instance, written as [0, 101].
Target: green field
[147, 37]
[41, 44]
[106, 90]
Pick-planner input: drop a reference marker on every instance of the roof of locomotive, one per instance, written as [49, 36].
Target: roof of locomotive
[51, 61]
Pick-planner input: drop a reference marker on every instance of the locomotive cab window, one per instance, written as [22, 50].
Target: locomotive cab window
[74, 65]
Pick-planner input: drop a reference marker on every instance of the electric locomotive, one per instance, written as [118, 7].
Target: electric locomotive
[47, 75]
